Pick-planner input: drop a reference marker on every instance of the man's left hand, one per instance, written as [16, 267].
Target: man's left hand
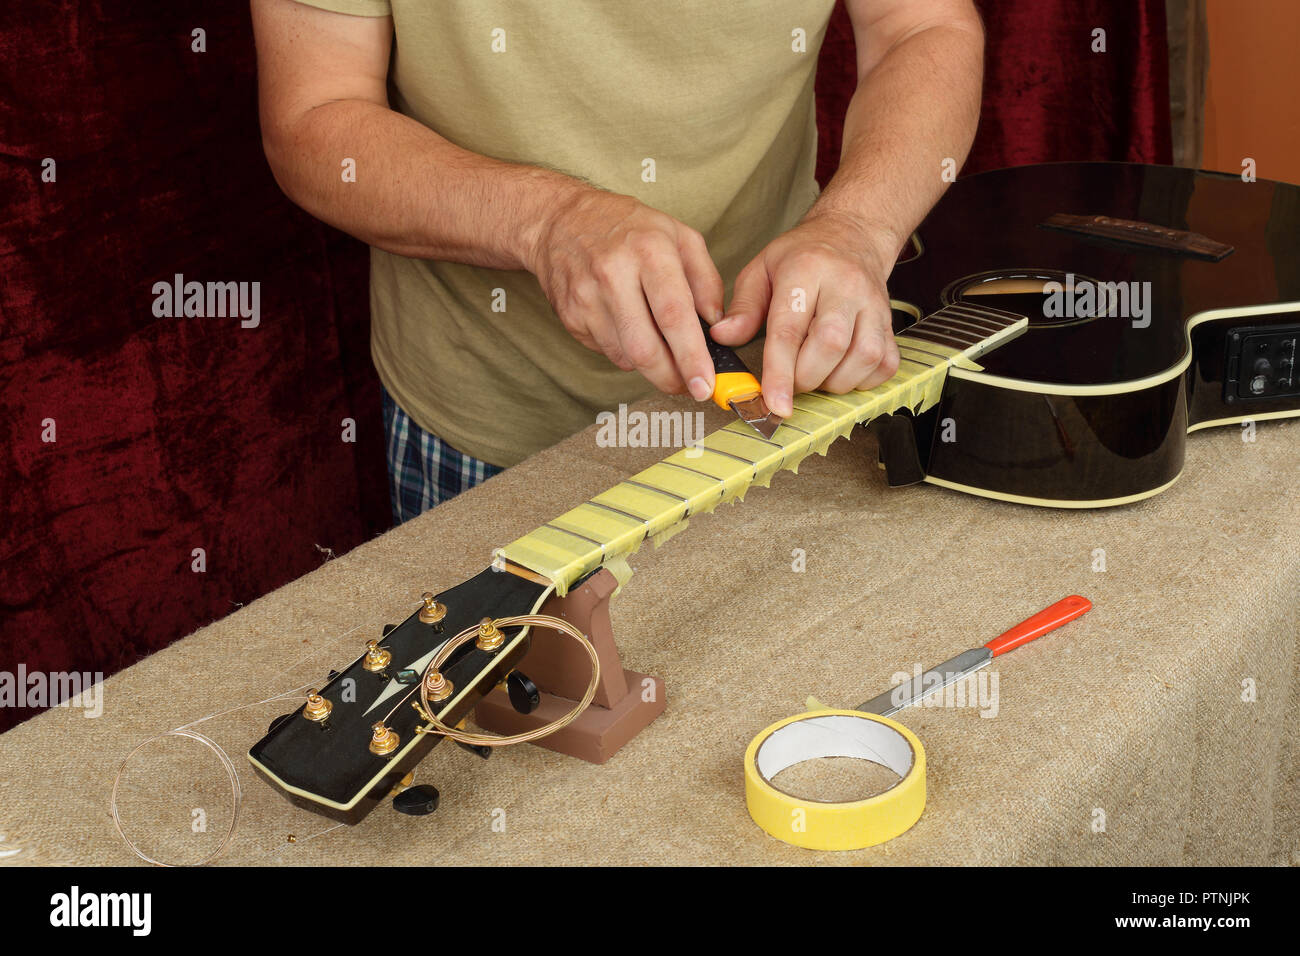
[821, 289]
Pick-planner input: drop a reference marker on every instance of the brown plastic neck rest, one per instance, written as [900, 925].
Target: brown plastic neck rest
[625, 703]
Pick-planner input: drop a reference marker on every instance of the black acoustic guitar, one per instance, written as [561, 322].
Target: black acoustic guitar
[1061, 328]
[1153, 334]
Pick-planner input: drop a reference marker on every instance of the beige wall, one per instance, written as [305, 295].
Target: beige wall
[1252, 96]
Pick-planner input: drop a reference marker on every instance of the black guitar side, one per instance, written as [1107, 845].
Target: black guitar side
[1094, 410]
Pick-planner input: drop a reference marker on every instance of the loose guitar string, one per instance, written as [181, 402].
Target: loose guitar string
[227, 764]
[236, 791]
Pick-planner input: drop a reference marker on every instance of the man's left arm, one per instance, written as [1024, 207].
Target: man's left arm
[920, 65]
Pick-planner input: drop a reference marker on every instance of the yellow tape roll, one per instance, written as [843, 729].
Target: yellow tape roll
[820, 825]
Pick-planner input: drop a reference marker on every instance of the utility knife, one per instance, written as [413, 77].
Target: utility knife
[736, 387]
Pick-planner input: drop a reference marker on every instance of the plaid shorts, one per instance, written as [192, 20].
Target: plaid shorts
[423, 470]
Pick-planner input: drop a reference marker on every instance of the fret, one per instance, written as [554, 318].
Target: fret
[684, 482]
[811, 411]
[547, 548]
[610, 534]
[660, 491]
[951, 323]
[748, 462]
[701, 492]
[904, 357]
[836, 417]
[955, 325]
[983, 321]
[937, 338]
[746, 431]
[717, 467]
[695, 471]
[574, 534]
[639, 519]
[731, 477]
[663, 512]
[786, 424]
[658, 499]
[740, 447]
[1004, 318]
[600, 524]
[932, 357]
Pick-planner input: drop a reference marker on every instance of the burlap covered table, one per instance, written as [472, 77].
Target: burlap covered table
[1123, 738]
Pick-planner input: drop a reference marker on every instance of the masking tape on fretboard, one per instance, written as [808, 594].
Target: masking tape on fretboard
[823, 825]
[654, 503]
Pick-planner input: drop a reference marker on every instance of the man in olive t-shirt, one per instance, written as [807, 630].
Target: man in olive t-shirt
[553, 190]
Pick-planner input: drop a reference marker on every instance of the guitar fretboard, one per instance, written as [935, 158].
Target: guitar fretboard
[658, 500]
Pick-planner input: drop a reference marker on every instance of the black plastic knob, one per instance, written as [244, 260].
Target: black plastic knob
[523, 693]
[417, 801]
[478, 750]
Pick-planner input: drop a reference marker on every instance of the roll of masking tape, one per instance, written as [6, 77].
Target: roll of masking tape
[823, 825]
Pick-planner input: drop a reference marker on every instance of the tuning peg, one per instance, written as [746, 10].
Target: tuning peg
[384, 740]
[489, 636]
[417, 801]
[523, 693]
[433, 611]
[377, 658]
[317, 707]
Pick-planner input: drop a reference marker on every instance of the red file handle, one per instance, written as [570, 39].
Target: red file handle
[1062, 612]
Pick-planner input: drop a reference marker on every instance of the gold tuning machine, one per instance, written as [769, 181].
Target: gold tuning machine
[433, 611]
[383, 740]
[318, 708]
[437, 686]
[377, 658]
[489, 636]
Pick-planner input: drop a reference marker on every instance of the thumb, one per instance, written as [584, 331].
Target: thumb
[749, 302]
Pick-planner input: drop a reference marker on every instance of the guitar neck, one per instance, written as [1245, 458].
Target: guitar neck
[656, 502]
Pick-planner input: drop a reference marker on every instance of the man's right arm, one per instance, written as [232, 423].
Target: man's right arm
[624, 279]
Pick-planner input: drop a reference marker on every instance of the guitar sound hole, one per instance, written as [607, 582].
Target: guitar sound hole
[1050, 299]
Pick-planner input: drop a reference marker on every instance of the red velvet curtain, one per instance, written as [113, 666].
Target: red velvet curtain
[1048, 97]
[180, 443]
[179, 435]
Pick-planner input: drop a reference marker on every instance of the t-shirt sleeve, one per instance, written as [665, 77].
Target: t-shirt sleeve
[357, 8]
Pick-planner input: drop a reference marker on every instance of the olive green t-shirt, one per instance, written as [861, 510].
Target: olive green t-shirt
[701, 109]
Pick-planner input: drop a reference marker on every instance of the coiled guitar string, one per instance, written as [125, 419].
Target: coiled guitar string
[492, 740]
[236, 791]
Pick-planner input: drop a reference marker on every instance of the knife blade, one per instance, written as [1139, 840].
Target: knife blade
[966, 663]
[736, 387]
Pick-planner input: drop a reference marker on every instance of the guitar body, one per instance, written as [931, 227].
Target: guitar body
[1092, 405]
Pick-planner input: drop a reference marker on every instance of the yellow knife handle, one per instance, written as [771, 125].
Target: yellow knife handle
[730, 386]
[732, 378]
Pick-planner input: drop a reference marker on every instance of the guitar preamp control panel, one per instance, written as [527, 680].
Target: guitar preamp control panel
[1262, 363]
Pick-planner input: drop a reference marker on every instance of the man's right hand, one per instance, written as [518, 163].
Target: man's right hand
[629, 282]
[625, 280]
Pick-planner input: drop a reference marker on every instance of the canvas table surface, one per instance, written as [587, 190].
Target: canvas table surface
[1157, 729]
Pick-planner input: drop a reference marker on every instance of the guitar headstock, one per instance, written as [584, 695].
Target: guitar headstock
[328, 757]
